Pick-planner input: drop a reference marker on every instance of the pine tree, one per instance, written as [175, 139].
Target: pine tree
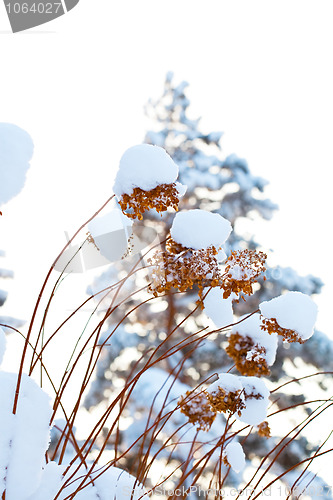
[225, 186]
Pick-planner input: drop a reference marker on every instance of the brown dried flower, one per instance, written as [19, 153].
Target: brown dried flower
[159, 198]
[249, 357]
[226, 401]
[182, 268]
[271, 325]
[264, 430]
[198, 410]
[242, 270]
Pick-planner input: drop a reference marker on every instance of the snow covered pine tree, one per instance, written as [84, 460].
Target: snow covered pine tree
[226, 188]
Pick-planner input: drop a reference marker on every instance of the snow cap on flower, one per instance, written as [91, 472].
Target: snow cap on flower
[199, 229]
[226, 394]
[147, 179]
[252, 349]
[256, 396]
[218, 309]
[144, 166]
[234, 456]
[292, 315]
[2, 344]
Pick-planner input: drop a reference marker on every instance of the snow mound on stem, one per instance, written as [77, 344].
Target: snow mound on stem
[294, 311]
[146, 167]
[199, 229]
[24, 437]
[235, 456]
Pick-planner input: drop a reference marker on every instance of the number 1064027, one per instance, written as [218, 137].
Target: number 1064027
[35, 8]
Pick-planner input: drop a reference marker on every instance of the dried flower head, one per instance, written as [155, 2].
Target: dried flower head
[159, 198]
[249, 357]
[272, 326]
[291, 315]
[182, 268]
[226, 394]
[243, 268]
[198, 410]
[226, 402]
[147, 179]
[264, 430]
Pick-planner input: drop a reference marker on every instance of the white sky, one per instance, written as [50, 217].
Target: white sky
[259, 70]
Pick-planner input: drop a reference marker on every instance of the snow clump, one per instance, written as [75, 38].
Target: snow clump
[199, 229]
[234, 456]
[293, 311]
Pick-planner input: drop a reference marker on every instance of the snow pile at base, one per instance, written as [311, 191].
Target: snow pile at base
[250, 327]
[218, 309]
[50, 482]
[112, 484]
[199, 229]
[16, 149]
[293, 310]
[146, 167]
[235, 456]
[2, 344]
[256, 400]
[227, 382]
[24, 437]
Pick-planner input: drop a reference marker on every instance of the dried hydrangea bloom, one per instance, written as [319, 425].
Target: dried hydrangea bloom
[182, 268]
[292, 316]
[252, 349]
[160, 198]
[198, 410]
[243, 268]
[191, 254]
[226, 394]
[264, 430]
[146, 179]
[249, 358]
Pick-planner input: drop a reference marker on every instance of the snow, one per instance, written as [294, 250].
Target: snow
[24, 437]
[293, 310]
[2, 344]
[16, 149]
[255, 410]
[50, 482]
[144, 166]
[112, 484]
[218, 309]
[112, 221]
[199, 229]
[250, 327]
[235, 456]
[227, 382]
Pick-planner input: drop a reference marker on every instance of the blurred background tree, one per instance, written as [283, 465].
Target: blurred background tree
[223, 185]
